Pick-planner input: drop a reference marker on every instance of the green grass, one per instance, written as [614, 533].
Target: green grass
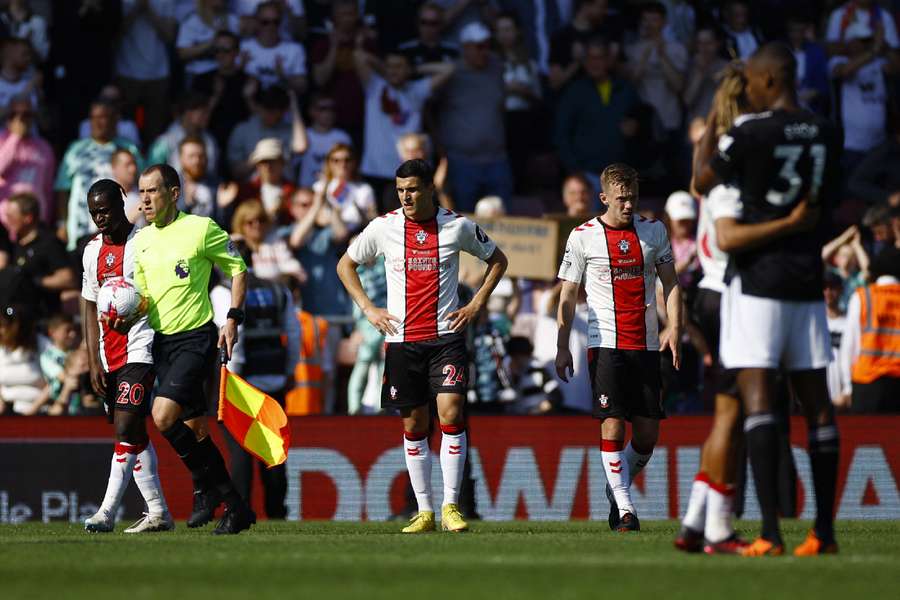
[518, 560]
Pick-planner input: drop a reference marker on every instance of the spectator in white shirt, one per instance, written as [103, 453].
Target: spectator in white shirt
[198, 186]
[125, 128]
[342, 188]
[863, 91]
[272, 259]
[18, 78]
[658, 67]
[270, 59]
[21, 22]
[742, 40]
[23, 390]
[196, 36]
[142, 60]
[837, 322]
[293, 23]
[322, 135]
[394, 105]
[865, 12]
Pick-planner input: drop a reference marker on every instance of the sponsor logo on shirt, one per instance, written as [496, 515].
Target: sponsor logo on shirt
[482, 236]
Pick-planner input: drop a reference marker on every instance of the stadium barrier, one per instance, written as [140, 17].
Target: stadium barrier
[352, 468]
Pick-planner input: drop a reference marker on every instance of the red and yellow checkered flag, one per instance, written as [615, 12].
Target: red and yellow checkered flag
[256, 420]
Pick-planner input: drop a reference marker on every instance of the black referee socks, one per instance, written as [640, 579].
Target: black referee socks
[762, 448]
[185, 444]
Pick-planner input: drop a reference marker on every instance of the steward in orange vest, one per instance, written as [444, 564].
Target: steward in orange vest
[871, 345]
[307, 397]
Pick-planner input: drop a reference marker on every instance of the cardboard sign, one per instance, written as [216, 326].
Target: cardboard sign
[532, 246]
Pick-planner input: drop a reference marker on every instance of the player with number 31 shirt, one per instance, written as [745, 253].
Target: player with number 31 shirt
[425, 353]
[121, 365]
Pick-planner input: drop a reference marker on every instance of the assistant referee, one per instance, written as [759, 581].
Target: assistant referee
[174, 255]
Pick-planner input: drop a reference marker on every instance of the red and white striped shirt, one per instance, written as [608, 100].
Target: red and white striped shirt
[422, 265]
[620, 270]
[103, 260]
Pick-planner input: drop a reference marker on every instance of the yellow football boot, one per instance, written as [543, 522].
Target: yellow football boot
[423, 522]
[452, 519]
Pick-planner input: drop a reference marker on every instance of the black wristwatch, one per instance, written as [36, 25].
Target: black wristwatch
[236, 314]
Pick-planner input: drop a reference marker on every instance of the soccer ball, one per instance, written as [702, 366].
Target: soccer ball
[119, 298]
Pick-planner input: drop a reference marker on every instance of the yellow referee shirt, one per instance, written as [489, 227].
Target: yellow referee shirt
[172, 266]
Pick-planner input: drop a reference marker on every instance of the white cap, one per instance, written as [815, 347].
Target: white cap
[474, 33]
[267, 149]
[858, 30]
[680, 205]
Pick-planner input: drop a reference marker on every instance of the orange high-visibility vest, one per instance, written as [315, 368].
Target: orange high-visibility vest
[307, 396]
[879, 341]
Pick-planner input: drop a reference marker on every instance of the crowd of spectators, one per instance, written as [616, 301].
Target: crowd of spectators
[286, 119]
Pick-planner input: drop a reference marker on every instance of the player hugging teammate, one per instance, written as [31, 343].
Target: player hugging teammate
[783, 162]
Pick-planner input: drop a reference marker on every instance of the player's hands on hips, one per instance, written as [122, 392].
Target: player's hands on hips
[381, 320]
[461, 317]
[670, 339]
[565, 367]
[228, 336]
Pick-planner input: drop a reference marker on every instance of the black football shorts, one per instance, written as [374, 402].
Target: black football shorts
[128, 389]
[416, 371]
[625, 383]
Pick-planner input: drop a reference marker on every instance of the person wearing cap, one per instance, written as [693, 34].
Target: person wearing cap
[861, 74]
[870, 347]
[268, 183]
[682, 213]
[471, 122]
[867, 12]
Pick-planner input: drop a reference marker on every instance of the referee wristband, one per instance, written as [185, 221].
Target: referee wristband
[236, 314]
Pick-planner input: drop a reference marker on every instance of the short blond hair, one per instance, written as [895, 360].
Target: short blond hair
[618, 174]
[246, 211]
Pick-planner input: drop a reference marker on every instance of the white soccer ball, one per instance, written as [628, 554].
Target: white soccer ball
[118, 298]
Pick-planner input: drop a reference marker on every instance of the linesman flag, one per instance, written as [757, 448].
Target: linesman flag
[256, 420]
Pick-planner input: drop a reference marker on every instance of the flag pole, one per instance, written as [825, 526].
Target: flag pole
[223, 374]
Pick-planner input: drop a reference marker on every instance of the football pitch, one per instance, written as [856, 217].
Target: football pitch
[517, 560]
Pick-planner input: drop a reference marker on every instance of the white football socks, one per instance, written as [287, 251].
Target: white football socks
[695, 515]
[636, 462]
[453, 459]
[146, 477]
[617, 474]
[418, 464]
[719, 507]
[122, 463]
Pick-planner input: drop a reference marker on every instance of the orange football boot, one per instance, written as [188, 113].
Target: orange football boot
[763, 547]
[813, 546]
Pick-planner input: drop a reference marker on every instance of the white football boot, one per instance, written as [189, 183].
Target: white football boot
[100, 522]
[150, 523]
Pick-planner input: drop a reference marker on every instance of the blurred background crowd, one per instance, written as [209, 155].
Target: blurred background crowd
[286, 119]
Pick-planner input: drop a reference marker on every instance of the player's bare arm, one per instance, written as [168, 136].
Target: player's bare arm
[228, 335]
[496, 267]
[380, 318]
[734, 236]
[670, 337]
[568, 298]
[91, 334]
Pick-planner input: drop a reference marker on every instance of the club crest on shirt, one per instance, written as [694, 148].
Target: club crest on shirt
[182, 269]
[421, 236]
[110, 259]
[624, 246]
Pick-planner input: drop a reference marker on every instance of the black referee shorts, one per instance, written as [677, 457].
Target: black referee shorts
[185, 362]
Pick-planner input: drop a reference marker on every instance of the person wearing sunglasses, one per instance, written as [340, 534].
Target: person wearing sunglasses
[196, 41]
[271, 59]
[428, 47]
